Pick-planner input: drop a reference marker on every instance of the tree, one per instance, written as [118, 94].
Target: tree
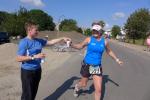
[137, 24]
[3, 16]
[10, 25]
[68, 25]
[14, 22]
[44, 21]
[80, 30]
[115, 30]
[88, 32]
[22, 18]
[102, 23]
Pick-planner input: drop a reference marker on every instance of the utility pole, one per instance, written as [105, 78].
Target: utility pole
[59, 22]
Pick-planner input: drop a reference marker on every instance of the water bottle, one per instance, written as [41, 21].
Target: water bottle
[68, 43]
[42, 60]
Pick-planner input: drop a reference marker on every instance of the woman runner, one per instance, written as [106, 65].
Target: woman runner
[91, 65]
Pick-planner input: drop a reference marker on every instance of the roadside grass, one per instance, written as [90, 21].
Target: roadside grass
[137, 42]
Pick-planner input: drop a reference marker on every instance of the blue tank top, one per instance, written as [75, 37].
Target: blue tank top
[95, 51]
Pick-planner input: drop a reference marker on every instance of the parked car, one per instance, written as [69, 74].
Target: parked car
[4, 37]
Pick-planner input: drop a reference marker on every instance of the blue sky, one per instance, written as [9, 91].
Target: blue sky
[113, 12]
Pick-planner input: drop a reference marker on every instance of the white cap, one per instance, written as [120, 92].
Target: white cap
[96, 27]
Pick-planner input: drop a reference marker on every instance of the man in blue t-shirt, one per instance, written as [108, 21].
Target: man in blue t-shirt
[30, 55]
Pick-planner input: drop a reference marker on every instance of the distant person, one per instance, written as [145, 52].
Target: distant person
[148, 42]
[92, 62]
[29, 53]
[106, 36]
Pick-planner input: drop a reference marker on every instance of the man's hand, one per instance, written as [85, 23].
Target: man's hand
[66, 39]
[119, 62]
[40, 55]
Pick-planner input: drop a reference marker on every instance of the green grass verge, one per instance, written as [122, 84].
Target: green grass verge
[137, 42]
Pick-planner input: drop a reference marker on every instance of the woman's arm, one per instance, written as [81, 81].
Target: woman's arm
[82, 44]
[112, 54]
[54, 41]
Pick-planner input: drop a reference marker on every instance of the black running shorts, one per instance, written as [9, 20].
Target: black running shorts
[85, 70]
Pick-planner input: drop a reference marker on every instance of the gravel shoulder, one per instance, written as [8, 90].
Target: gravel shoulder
[10, 83]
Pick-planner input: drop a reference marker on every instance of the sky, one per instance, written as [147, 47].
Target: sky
[113, 12]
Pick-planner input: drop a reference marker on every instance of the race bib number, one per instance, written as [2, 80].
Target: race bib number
[94, 70]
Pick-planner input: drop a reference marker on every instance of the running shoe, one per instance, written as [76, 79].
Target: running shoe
[76, 91]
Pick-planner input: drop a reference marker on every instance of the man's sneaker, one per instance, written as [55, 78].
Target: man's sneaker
[76, 91]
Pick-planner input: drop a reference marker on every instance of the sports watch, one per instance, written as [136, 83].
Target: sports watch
[32, 57]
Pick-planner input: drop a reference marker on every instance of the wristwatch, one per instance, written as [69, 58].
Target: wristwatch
[32, 57]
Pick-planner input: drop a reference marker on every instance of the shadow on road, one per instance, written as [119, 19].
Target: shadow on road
[62, 89]
[67, 85]
[106, 79]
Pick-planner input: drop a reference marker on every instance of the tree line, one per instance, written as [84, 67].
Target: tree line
[136, 27]
[13, 23]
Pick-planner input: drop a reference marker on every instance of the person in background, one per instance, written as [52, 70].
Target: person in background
[148, 42]
[106, 36]
[29, 54]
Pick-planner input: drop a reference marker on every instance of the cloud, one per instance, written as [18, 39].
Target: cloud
[118, 15]
[37, 3]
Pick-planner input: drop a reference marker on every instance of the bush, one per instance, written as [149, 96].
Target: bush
[68, 25]
[115, 31]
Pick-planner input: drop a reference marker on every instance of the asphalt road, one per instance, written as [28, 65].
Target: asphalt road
[128, 82]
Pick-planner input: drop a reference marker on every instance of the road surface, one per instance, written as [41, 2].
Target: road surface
[129, 82]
